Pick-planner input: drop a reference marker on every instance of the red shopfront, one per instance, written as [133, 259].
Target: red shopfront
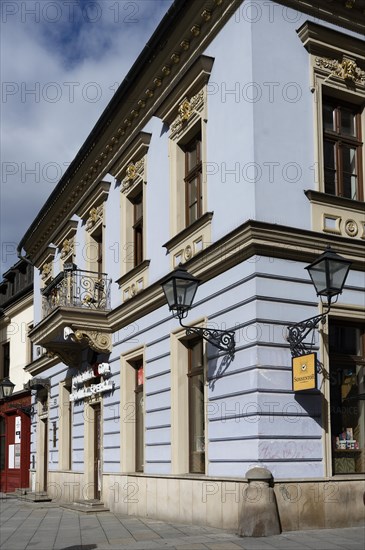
[14, 443]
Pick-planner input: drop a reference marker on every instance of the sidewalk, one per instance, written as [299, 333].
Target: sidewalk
[46, 526]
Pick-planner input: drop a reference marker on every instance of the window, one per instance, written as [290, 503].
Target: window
[188, 418]
[139, 416]
[5, 366]
[342, 148]
[196, 407]
[193, 180]
[347, 397]
[132, 413]
[65, 449]
[138, 229]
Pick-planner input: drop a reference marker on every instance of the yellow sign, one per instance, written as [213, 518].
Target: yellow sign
[304, 372]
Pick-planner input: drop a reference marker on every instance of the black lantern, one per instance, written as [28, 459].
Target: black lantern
[6, 388]
[180, 288]
[329, 273]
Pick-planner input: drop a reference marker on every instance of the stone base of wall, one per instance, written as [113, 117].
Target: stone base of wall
[304, 504]
[65, 486]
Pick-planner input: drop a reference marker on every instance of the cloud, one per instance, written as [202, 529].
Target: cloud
[61, 64]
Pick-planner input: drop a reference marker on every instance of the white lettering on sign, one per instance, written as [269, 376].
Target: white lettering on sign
[102, 369]
[106, 385]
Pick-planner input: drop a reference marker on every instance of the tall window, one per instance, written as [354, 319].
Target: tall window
[5, 366]
[138, 229]
[342, 147]
[196, 407]
[193, 180]
[347, 396]
[139, 416]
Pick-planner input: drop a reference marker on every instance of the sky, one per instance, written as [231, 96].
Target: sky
[61, 63]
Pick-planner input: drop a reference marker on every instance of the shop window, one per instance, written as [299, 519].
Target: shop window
[342, 149]
[347, 397]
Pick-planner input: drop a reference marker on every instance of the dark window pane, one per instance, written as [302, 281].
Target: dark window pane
[329, 154]
[349, 159]
[328, 117]
[345, 339]
[350, 186]
[330, 182]
[348, 122]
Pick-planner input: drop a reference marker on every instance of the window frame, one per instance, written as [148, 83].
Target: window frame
[191, 174]
[341, 140]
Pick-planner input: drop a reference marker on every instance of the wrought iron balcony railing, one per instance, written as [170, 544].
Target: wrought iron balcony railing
[76, 288]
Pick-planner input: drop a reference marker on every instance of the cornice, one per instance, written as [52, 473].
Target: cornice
[134, 152]
[251, 238]
[187, 231]
[68, 230]
[41, 364]
[318, 40]
[23, 302]
[187, 39]
[334, 200]
[94, 199]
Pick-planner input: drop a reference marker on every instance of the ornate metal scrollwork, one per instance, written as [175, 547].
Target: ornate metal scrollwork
[221, 339]
[297, 334]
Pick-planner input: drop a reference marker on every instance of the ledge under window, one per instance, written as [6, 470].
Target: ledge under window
[337, 215]
[134, 281]
[190, 241]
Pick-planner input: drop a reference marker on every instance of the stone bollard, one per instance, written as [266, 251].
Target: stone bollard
[259, 512]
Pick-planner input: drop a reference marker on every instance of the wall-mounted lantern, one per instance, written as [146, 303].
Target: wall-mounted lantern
[180, 288]
[328, 273]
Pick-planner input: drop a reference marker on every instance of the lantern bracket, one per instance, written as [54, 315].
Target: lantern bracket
[298, 333]
[221, 339]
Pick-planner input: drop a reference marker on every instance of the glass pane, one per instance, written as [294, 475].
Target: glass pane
[329, 154]
[328, 117]
[350, 186]
[330, 181]
[197, 424]
[192, 158]
[348, 122]
[347, 418]
[193, 190]
[345, 340]
[139, 432]
[349, 159]
[193, 213]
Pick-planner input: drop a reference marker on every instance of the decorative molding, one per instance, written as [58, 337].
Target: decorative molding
[92, 201]
[346, 69]
[46, 271]
[133, 171]
[134, 281]
[97, 341]
[337, 215]
[95, 217]
[68, 248]
[186, 109]
[190, 241]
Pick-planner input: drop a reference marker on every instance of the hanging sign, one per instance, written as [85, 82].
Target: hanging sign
[304, 372]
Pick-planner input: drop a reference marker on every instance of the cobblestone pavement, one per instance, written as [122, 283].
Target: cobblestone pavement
[46, 526]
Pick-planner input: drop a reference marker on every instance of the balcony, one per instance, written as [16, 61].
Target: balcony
[76, 288]
[75, 316]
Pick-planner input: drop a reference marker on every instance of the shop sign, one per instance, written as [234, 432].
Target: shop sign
[97, 370]
[304, 372]
[94, 389]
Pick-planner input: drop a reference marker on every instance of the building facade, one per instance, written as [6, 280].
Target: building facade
[234, 147]
[16, 321]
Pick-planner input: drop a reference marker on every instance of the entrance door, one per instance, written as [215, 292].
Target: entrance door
[97, 452]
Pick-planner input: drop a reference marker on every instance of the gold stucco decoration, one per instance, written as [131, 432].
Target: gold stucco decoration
[347, 69]
[206, 15]
[195, 30]
[67, 248]
[46, 270]
[185, 45]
